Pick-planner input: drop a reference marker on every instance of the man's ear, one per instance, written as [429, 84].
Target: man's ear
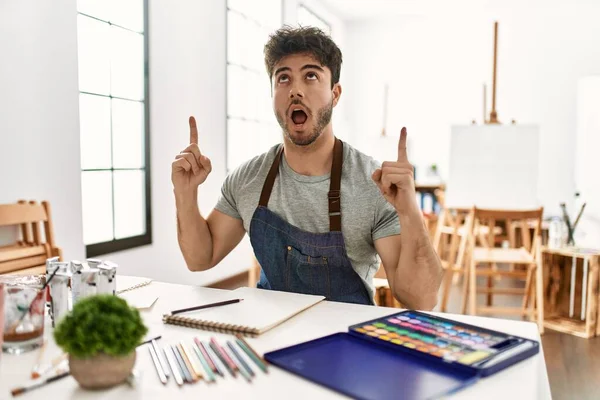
[337, 93]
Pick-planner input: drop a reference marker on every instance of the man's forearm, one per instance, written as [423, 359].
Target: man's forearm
[193, 234]
[419, 272]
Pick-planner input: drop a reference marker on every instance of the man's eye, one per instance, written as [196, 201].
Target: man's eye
[283, 79]
[311, 76]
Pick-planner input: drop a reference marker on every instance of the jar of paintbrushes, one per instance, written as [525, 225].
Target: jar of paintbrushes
[24, 310]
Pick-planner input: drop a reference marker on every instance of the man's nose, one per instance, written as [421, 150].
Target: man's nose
[296, 92]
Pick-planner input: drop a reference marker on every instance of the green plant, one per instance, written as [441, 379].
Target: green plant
[100, 324]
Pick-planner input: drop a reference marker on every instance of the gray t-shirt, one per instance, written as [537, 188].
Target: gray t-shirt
[302, 201]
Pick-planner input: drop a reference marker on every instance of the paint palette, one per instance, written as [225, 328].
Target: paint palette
[442, 338]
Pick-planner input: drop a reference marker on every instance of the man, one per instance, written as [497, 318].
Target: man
[318, 212]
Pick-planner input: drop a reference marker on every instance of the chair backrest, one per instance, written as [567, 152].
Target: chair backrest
[512, 219]
[32, 248]
[450, 231]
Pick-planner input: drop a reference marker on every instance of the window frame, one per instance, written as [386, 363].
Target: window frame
[115, 245]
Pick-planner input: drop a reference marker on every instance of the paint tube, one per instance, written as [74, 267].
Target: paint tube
[59, 288]
[89, 280]
[51, 265]
[76, 268]
[107, 278]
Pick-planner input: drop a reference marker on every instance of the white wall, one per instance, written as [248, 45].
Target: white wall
[586, 168]
[437, 60]
[39, 120]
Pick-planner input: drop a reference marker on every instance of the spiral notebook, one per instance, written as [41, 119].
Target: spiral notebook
[260, 311]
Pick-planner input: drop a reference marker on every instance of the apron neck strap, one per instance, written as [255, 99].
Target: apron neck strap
[335, 212]
[335, 215]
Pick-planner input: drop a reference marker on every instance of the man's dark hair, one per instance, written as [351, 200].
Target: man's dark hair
[303, 40]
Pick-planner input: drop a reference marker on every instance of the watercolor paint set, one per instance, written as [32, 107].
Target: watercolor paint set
[416, 354]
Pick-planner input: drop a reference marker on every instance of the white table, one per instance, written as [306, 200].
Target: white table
[525, 380]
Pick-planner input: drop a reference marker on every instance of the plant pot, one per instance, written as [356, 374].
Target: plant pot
[101, 371]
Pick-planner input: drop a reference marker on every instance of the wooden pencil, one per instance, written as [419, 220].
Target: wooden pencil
[220, 303]
[187, 363]
[252, 354]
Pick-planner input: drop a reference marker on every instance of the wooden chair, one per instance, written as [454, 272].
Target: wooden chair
[494, 257]
[450, 243]
[29, 253]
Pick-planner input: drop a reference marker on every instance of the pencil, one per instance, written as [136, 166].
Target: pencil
[186, 374]
[173, 365]
[225, 355]
[187, 363]
[150, 340]
[210, 377]
[252, 354]
[221, 303]
[214, 358]
[222, 359]
[210, 362]
[190, 357]
[163, 364]
[244, 373]
[35, 372]
[237, 355]
[157, 366]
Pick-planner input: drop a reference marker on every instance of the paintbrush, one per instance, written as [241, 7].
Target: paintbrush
[19, 391]
[35, 372]
[578, 216]
[563, 206]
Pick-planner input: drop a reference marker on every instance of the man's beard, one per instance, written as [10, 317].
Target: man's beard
[323, 119]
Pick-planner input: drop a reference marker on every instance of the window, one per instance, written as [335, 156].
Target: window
[113, 112]
[251, 125]
[308, 18]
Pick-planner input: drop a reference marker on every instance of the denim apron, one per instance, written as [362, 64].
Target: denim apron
[295, 260]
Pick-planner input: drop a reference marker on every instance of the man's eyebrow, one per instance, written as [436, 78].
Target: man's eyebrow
[312, 66]
[280, 69]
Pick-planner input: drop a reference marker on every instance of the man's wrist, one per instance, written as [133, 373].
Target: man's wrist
[186, 200]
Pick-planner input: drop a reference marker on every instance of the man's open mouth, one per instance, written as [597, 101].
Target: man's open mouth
[298, 114]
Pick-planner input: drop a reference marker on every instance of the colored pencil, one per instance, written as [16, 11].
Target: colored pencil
[163, 363]
[161, 374]
[237, 355]
[186, 373]
[225, 355]
[244, 373]
[220, 303]
[222, 359]
[173, 365]
[210, 362]
[252, 354]
[187, 363]
[215, 359]
[210, 377]
[191, 358]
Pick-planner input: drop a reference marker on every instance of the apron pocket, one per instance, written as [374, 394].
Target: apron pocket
[307, 274]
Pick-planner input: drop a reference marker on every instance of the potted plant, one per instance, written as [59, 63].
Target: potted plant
[100, 335]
